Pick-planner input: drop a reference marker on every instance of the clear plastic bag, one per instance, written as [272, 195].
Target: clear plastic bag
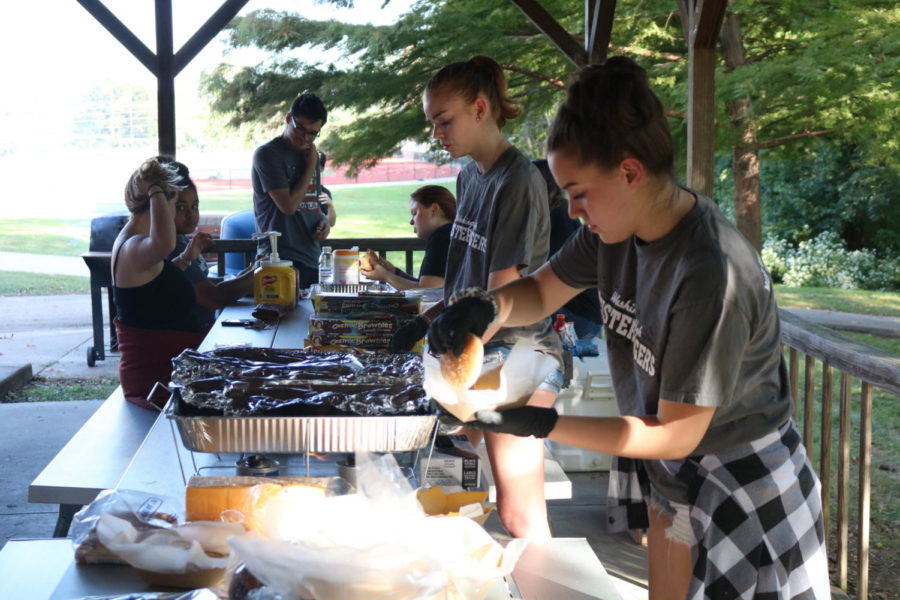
[141, 509]
[521, 374]
[377, 544]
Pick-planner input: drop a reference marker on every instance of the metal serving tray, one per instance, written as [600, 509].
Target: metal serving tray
[293, 435]
[372, 287]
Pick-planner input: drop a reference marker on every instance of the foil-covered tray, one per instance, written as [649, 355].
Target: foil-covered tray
[292, 435]
[259, 400]
[372, 287]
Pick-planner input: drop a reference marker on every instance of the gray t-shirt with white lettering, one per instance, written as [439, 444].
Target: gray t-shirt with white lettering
[689, 318]
[276, 165]
[502, 221]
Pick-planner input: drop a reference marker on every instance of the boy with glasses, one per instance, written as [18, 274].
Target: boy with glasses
[288, 196]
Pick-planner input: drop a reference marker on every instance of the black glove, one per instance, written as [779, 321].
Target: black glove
[467, 315]
[523, 422]
[407, 335]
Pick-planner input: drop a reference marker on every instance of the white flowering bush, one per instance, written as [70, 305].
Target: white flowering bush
[824, 261]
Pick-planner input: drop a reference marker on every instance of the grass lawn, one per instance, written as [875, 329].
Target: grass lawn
[863, 302]
[363, 211]
[16, 283]
[44, 390]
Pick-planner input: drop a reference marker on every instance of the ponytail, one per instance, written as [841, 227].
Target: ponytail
[480, 75]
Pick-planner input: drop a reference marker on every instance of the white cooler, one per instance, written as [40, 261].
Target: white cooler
[589, 394]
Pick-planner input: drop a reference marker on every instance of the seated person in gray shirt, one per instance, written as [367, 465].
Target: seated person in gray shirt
[212, 295]
[288, 196]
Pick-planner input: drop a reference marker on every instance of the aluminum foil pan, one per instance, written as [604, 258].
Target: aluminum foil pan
[356, 288]
[293, 435]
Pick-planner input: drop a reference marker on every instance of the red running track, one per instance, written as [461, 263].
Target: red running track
[389, 169]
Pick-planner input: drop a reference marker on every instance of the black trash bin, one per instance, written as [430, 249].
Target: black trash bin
[103, 234]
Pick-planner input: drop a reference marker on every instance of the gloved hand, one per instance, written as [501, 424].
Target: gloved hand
[470, 314]
[523, 421]
[407, 335]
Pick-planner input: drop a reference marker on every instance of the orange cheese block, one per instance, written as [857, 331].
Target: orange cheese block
[206, 498]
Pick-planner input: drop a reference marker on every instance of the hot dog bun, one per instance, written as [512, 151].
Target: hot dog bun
[367, 261]
[463, 370]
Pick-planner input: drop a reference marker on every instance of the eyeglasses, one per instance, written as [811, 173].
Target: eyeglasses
[310, 133]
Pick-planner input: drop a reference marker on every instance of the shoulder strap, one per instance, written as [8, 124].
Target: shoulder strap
[112, 261]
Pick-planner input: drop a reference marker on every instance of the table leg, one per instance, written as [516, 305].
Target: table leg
[97, 319]
[66, 512]
[111, 306]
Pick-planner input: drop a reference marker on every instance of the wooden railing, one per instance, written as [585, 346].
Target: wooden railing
[384, 245]
[380, 245]
[872, 368]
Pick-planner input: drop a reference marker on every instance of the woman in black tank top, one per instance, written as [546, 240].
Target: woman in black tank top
[153, 297]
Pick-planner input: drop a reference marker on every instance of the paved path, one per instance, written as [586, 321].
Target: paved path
[43, 263]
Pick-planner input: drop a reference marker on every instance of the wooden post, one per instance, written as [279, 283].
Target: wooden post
[165, 82]
[825, 444]
[704, 22]
[545, 22]
[865, 498]
[808, 406]
[598, 20]
[165, 65]
[843, 489]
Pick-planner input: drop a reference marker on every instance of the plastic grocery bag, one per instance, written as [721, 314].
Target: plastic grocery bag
[376, 544]
[521, 374]
[142, 510]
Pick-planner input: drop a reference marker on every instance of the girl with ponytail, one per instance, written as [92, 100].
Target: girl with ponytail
[708, 458]
[501, 232]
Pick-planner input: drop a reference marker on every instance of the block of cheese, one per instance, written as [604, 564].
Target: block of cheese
[437, 503]
[207, 498]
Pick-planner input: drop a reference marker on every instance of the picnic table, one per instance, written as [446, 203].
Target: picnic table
[564, 568]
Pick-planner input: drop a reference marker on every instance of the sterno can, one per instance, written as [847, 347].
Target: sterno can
[257, 465]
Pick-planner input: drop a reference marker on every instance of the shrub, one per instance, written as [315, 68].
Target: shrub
[824, 261]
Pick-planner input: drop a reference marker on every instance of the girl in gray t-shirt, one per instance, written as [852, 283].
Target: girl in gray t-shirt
[500, 233]
[708, 457]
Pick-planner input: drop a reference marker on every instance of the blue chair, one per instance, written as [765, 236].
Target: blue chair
[239, 225]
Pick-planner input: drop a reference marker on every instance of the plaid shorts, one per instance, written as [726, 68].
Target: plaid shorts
[756, 516]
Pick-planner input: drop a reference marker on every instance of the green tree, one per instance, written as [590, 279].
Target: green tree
[384, 68]
[792, 72]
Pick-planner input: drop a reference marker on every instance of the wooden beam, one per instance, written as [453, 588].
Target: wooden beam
[545, 22]
[119, 31]
[710, 14]
[598, 22]
[165, 91]
[204, 35]
[701, 119]
[703, 23]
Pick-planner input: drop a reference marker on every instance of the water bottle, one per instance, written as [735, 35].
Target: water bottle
[326, 261]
